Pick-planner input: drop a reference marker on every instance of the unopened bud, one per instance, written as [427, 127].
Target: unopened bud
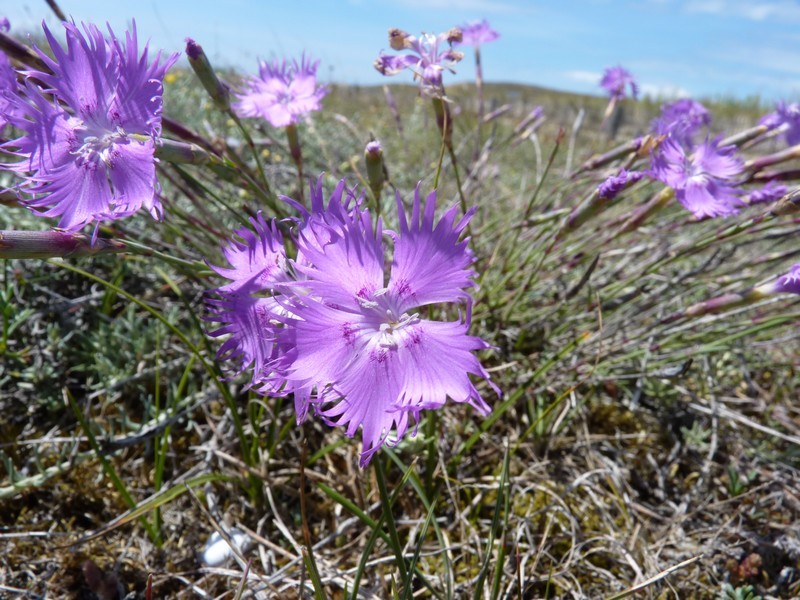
[49, 244]
[376, 171]
[218, 90]
[181, 153]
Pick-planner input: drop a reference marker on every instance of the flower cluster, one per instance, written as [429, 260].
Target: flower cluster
[89, 156]
[615, 80]
[428, 60]
[282, 93]
[331, 329]
[702, 179]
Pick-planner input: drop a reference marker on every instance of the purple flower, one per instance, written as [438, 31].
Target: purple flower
[787, 117]
[360, 342]
[615, 80]
[330, 328]
[701, 180]
[254, 309]
[427, 62]
[789, 283]
[257, 262]
[95, 159]
[282, 93]
[681, 119]
[612, 186]
[477, 33]
[8, 82]
[769, 193]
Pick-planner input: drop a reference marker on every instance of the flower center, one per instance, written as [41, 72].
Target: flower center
[699, 178]
[98, 146]
[390, 325]
[388, 330]
[284, 97]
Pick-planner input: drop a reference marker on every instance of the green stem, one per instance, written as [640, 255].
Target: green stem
[394, 538]
[297, 156]
[259, 164]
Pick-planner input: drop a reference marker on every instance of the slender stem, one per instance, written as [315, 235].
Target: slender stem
[458, 182]
[256, 155]
[439, 165]
[297, 156]
[386, 501]
[479, 93]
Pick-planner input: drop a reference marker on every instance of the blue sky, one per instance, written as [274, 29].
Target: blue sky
[702, 48]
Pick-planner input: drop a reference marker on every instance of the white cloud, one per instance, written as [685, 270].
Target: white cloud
[782, 10]
[476, 6]
[584, 76]
[779, 60]
[666, 91]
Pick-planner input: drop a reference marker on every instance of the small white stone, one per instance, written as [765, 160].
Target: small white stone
[217, 550]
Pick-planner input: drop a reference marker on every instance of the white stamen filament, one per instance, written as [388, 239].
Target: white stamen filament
[100, 145]
[387, 330]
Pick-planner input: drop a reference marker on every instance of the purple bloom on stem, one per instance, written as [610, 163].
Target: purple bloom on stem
[701, 180]
[615, 80]
[282, 93]
[681, 119]
[427, 61]
[336, 333]
[769, 193]
[257, 262]
[360, 342]
[477, 33]
[786, 116]
[612, 186]
[95, 161]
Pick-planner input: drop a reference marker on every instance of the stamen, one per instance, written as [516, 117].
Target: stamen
[99, 146]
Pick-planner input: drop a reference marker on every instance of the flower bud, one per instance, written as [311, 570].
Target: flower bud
[181, 153]
[376, 171]
[218, 90]
[48, 244]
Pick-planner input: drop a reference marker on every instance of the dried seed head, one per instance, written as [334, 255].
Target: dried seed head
[398, 39]
[454, 36]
